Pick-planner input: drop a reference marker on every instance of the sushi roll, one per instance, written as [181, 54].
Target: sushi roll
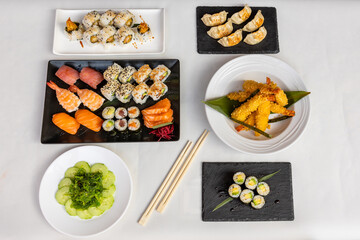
[108, 125]
[74, 30]
[133, 112]
[246, 195]
[140, 93]
[91, 35]
[126, 74]
[121, 124]
[124, 18]
[239, 178]
[124, 35]
[133, 124]
[251, 182]
[109, 89]
[160, 73]
[142, 75]
[91, 19]
[157, 90]
[143, 32]
[107, 35]
[112, 72]
[263, 188]
[258, 202]
[121, 113]
[123, 93]
[234, 190]
[108, 112]
[107, 18]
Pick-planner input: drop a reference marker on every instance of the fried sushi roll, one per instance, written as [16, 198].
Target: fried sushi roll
[157, 90]
[107, 18]
[134, 124]
[109, 89]
[142, 75]
[112, 72]
[91, 35]
[160, 73]
[124, 18]
[74, 30]
[107, 35]
[124, 35]
[140, 93]
[91, 19]
[126, 74]
[123, 93]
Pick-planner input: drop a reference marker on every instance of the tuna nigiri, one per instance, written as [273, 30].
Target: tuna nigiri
[91, 77]
[160, 107]
[88, 119]
[67, 74]
[66, 123]
[68, 100]
[159, 117]
[89, 98]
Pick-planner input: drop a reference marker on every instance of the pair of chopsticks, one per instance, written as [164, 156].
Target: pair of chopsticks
[172, 180]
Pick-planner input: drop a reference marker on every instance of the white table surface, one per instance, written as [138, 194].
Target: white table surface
[319, 39]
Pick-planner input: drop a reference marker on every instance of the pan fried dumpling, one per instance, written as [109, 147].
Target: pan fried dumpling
[231, 40]
[241, 16]
[255, 23]
[256, 37]
[214, 19]
[221, 31]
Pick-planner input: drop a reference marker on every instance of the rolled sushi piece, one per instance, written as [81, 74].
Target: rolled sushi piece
[91, 35]
[124, 35]
[251, 182]
[134, 124]
[121, 124]
[258, 202]
[143, 32]
[107, 18]
[263, 188]
[126, 74]
[239, 178]
[74, 30]
[142, 75]
[141, 93]
[234, 190]
[246, 195]
[160, 73]
[112, 72]
[108, 125]
[91, 19]
[124, 92]
[108, 112]
[124, 18]
[157, 90]
[133, 112]
[107, 35]
[109, 89]
[121, 113]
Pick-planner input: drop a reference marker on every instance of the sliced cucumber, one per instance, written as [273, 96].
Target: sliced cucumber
[109, 191]
[65, 182]
[95, 211]
[83, 214]
[62, 195]
[70, 172]
[84, 165]
[106, 203]
[108, 179]
[69, 209]
[99, 167]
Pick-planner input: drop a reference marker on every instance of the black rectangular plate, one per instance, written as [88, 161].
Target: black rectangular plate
[218, 176]
[208, 45]
[52, 134]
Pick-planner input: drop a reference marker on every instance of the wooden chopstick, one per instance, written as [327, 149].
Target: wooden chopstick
[164, 184]
[182, 171]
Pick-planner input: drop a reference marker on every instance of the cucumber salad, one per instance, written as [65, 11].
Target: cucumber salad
[86, 191]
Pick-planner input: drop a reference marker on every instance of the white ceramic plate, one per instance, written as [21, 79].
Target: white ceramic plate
[55, 213]
[154, 17]
[230, 78]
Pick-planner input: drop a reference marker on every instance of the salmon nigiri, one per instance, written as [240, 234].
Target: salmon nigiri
[89, 98]
[160, 107]
[159, 117]
[66, 123]
[68, 100]
[88, 119]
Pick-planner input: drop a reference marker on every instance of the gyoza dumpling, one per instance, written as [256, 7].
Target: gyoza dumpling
[256, 37]
[221, 31]
[241, 16]
[255, 23]
[214, 19]
[231, 40]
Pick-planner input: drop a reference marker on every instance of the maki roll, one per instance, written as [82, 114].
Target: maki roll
[124, 18]
[121, 124]
[258, 202]
[133, 124]
[251, 182]
[239, 178]
[126, 74]
[246, 196]
[142, 75]
[140, 93]
[112, 72]
[91, 19]
[133, 112]
[108, 112]
[91, 35]
[109, 89]
[263, 189]
[121, 113]
[160, 73]
[157, 90]
[108, 125]
[124, 35]
[234, 190]
[143, 32]
[107, 18]
[107, 35]
[123, 93]
[74, 30]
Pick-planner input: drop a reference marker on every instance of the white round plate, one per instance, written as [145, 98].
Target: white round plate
[230, 77]
[55, 213]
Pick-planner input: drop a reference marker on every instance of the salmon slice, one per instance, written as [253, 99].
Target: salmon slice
[91, 77]
[89, 98]
[159, 117]
[160, 107]
[66, 123]
[88, 119]
[67, 74]
[149, 124]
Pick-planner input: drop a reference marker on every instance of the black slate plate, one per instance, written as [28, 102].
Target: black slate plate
[217, 177]
[208, 45]
[52, 134]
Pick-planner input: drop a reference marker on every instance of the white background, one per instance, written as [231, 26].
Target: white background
[319, 39]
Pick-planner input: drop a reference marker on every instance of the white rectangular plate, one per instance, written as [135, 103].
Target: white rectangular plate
[154, 17]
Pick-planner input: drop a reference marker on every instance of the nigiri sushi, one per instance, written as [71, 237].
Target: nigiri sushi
[67, 74]
[66, 123]
[160, 107]
[89, 119]
[91, 77]
[68, 100]
[89, 98]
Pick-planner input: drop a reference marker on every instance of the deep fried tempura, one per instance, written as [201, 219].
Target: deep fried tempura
[276, 108]
[239, 96]
[262, 116]
[250, 120]
[280, 96]
[242, 112]
[251, 86]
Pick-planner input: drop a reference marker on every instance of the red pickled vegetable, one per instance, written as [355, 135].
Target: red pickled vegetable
[164, 132]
